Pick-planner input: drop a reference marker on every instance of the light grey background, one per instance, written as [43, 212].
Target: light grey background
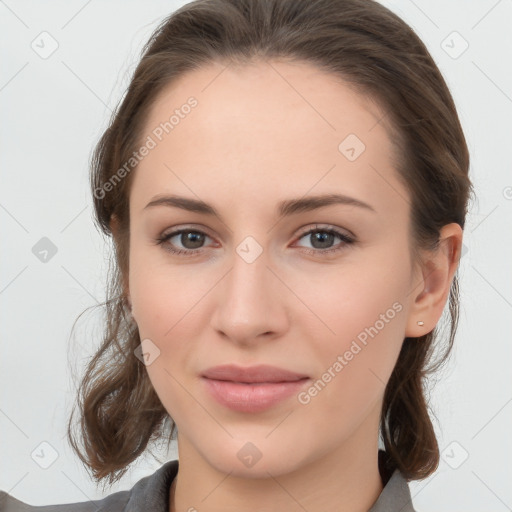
[54, 109]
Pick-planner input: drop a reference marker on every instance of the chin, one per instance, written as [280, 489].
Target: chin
[246, 460]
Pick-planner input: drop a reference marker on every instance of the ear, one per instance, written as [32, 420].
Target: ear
[114, 228]
[114, 225]
[435, 279]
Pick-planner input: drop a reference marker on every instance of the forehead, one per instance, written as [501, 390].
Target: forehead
[257, 128]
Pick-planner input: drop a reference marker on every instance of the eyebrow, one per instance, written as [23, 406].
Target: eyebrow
[284, 208]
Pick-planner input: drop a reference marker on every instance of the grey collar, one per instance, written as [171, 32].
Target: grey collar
[395, 497]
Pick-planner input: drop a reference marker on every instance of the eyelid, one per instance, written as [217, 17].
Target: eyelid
[327, 227]
[187, 227]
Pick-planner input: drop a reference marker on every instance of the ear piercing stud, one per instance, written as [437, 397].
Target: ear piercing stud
[420, 322]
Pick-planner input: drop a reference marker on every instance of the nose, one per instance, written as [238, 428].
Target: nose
[250, 302]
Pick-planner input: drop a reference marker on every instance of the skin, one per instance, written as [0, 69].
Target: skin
[260, 134]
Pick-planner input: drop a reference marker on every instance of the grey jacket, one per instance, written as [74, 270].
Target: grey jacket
[151, 494]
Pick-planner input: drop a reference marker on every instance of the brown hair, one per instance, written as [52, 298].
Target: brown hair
[367, 46]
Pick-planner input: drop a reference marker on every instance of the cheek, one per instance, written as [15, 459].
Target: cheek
[344, 302]
[163, 307]
[162, 293]
[363, 319]
[169, 308]
[355, 367]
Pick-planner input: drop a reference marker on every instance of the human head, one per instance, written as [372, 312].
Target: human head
[380, 57]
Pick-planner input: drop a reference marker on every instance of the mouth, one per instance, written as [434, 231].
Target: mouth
[252, 397]
[260, 374]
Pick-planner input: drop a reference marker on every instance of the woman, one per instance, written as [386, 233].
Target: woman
[286, 183]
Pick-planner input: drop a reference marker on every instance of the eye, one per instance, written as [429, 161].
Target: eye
[322, 238]
[190, 239]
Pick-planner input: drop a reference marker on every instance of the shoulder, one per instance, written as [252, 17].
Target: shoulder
[150, 491]
[114, 502]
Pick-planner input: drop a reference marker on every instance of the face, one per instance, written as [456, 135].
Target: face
[324, 292]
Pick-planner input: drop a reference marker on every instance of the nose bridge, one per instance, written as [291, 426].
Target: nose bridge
[248, 281]
[247, 303]
[248, 277]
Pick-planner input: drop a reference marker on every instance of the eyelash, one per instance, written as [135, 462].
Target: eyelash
[347, 240]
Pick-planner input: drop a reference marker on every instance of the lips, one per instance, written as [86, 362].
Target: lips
[252, 374]
[252, 389]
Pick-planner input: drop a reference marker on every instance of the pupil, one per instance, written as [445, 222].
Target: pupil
[195, 238]
[324, 238]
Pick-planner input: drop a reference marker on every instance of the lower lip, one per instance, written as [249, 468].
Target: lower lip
[251, 397]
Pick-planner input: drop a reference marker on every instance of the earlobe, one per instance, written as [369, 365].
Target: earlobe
[437, 272]
[114, 225]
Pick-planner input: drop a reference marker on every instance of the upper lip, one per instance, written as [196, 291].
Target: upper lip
[259, 373]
